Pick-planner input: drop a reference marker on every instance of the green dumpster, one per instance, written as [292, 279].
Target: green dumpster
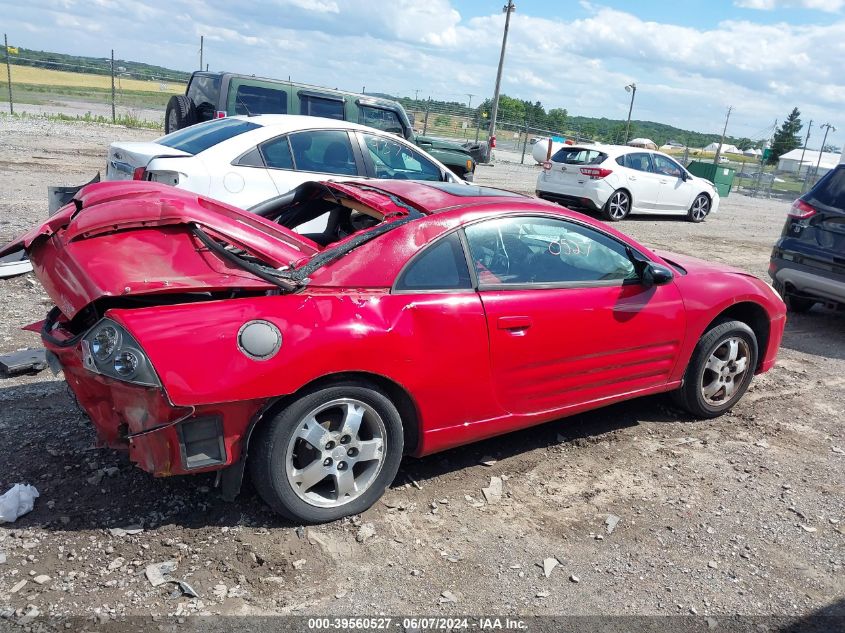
[721, 177]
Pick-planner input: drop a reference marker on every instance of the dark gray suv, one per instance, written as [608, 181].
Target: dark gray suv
[808, 261]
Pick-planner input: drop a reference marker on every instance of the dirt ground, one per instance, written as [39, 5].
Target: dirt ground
[739, 515]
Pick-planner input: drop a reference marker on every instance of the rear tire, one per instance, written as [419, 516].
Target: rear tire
[720, 370]
[617, 207]
[798, 305]
[330, 454]
[700, 208]
[180, 113]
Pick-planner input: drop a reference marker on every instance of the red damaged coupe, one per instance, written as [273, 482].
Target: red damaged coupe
[200, 337]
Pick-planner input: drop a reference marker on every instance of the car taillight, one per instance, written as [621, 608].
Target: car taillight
[596, 173]
[140, 173]
[801, 210]
[220, 114]
[547, 165]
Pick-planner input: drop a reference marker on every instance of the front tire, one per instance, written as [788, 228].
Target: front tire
[330, 454]
[617, 207]
[180, 113]
[720, 370]
[700, 208]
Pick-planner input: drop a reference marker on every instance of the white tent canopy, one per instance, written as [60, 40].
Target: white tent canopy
[645, 143]
[726, 148]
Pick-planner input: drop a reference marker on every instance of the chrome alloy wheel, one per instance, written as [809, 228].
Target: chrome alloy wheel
[336, 452]
[618, 205]
[725, 370]
[700, 208]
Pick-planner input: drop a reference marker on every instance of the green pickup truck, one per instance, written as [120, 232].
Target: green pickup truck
[211, 95]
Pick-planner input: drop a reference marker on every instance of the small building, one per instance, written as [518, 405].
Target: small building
[791, 161]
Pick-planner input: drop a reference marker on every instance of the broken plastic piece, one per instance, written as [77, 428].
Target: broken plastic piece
[23, 362]
[17, 501]
[14, 264]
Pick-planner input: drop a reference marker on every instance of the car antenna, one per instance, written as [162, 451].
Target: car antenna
[241, 101]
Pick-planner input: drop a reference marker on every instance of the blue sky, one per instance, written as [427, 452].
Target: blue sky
[691, 59]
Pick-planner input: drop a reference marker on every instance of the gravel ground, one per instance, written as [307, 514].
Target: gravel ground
[739, 515]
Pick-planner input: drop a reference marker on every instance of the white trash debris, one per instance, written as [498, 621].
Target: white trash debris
[158, 573]
[17, 501]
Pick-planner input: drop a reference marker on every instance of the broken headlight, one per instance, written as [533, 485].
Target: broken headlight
[109, 350]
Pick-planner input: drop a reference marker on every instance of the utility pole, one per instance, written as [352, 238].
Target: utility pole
[491, 139]
[201, 47]
[804, 149]
[721, 142]
[416, 95]
[827, 128]
[113, 114]
[632, 88]
[8, 73]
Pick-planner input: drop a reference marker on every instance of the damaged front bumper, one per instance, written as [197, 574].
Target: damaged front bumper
[161, 438]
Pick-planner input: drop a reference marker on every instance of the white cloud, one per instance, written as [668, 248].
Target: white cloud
[318, 6]
[685, 76]
[831, 6]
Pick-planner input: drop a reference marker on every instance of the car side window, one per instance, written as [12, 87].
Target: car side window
[540, 250]
[380, 119]
[641, 161]
[324, 151]
[260, 100]
[442, 266]
[276, 153]
[667, 167]
[319, 106]
[392, 159]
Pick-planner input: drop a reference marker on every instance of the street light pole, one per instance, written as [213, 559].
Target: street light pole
[632, 88]
[491, 139]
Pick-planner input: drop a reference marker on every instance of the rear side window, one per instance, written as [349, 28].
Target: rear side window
[381, 119]
[440, 267]
[260, 100]
[325, 151]
[830, 192]
[276, 153]
[319, 106]
[579, 156]
[198, 138]
[641, 161]
[204, 91]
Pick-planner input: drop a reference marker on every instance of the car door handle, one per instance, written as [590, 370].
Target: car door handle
[664, 182]
[632, 177]
[514, 323]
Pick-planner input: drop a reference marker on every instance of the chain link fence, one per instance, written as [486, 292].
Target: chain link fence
[104, 90]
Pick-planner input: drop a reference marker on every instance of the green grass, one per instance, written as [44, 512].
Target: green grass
[39, 94]
[126, 120]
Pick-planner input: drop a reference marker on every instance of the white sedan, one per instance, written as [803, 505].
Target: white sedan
[244, 160]
[617, 180]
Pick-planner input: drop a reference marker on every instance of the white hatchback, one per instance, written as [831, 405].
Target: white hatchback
[246, 160]
[617, 180]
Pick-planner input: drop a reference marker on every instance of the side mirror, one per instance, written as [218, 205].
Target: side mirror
[656, 275]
